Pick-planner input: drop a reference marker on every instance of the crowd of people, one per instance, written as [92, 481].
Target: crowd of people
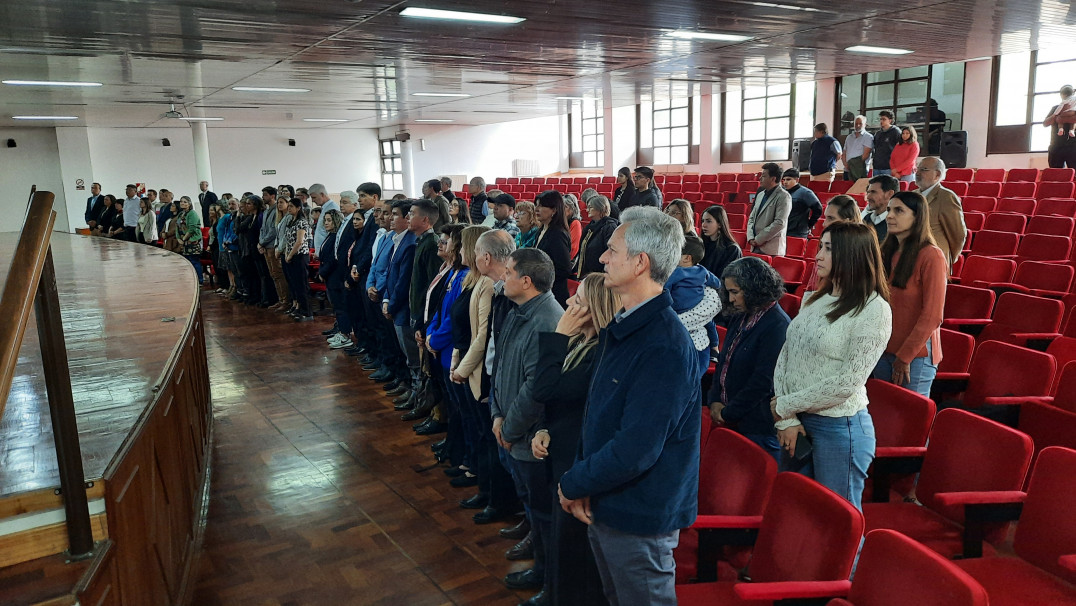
[565, 362]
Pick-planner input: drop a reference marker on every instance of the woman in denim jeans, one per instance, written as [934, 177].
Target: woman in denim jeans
[917, 271]
[830, 350]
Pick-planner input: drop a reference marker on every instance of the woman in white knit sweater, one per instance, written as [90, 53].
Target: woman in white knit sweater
[830, 350]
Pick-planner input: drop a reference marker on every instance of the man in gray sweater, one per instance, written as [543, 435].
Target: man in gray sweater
[515, 412]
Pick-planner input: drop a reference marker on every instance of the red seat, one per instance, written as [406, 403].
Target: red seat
[902, 421]
[711, 178]
[791, 271]
[968, 458]
[1010, 222]
[989, 243]
[840, 187]
[674, 178]
[1022, 174]
[728, 186]
[766, 258]
[989, 189]
[957, 187]
[709, 186]
[1041, 247]
[981, 271]
[1018, 189]
[795, 247]
[1057, 174]
[999, 371]
[967, 305]
[747, 187]
[740, 237]
[990, 174]
[974, 221]
[894, 569]
[1056, 189]
[737, 222]
[1015, 204]
[736, 208]
[1046, 534]
[827, 530]
[818, 187]
[747, 177]
[980, 204]
[957, 348]
[791, 304]
[960, 174]
[724, 177]
[1051, 225]
[1019, 318]
[1040, 279]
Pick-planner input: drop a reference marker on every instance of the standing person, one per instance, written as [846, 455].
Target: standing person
[171, 242]
[743, 379]
[296, 258]
[206, 198]
[229, 248]
[504, 208]
[575, 224]
[395, 300]
[529, 226]
[946, 214]
[635, 481]
[902, 160]
[189, 235]
[479, 205]
[768, 223]
[830, 350]
[94, 205]
[320, 196]
[879, 192]
[115, 227]
[421, 220]
[274, 215]
[555, 240]
[646, 194]
[216, 247]
[331, 272]
[595, 236]
[839, 208]
[718, 244]
[265, 248]
[248, 229]
[624, 196]
[825, 152]
[446, 190]
[566, 360]
[282, 221]
[806, 209]
[131, 212]
[885, 141]
[336, 280]
[858, 146]
[1062, 150]
[104, 216]
[918, 273]
[515, 411]
[387, 360]
[165, 209]
[147, 223]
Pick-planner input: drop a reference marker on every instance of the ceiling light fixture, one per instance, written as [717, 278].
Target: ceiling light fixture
[569, 98]
[432, 13]
[440, 95]
[787, 7]
[324, 120]
[202, 119]
[878, 50]
[44, 117]
[269, 89]
[685, 34]
[432, 120]
[49, 83]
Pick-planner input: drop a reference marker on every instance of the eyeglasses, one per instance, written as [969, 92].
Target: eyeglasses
[637, 177]
[442, 242]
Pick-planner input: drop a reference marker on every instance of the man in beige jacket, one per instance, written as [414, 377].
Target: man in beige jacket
[768, 223]
[946, 213]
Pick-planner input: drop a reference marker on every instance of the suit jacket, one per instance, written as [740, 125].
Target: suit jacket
[947, 222]
[205, 200]
[471, 361]
[94, 205]
[425, 268]
[767, 226]
[398, 286]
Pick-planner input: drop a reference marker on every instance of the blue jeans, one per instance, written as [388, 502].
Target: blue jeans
[882, 171]
[921, 372]
[196, 261]
[843, 450]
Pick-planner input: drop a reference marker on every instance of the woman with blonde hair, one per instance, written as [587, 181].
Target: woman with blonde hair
[680, 210]
[527, 222]
[566, 360]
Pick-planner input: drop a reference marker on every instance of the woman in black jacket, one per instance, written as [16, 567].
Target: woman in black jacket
[595, 236]
[566, 360]
[555, 240]
[625, 189]
[743, 380]
[720, 248]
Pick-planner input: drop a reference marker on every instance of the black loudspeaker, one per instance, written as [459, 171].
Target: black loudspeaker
[954, 148]
[801, 153]
[291, 142]
[166, 143]
[11, 143]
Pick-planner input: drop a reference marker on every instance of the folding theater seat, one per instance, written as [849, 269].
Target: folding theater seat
[1022, 174]
[996, 175]
[710, 178]
[806, 545]
[1049, 223]
[974, 221]
[998, 371]
[957, 187]
[1055, 189]
[979, 270]
[988, 243]
[737, 222]
[960, 174]
[958, 349]
[979, 204]
[840, 187]
[894, 569]
[791, 304]
[1041, 571]
[1018, 189]
[1057, 174]
[1017, 204]
[795, 247]
[1020, 318]
[984, 189]
[902, 420]
[1008, 222]
[1041, 247]
[1040, 279]
[968, 460]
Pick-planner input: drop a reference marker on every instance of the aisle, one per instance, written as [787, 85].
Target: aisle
[315, 498]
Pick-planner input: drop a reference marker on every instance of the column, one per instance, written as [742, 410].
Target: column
[202, 166]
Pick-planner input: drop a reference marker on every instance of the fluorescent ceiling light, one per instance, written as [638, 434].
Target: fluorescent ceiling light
[202, 119]
[324, 120]
[432, 120]
[686, 34]
[48, 83]
[44, 117]
[269, 89]
[878, 50]
[440, 95]
[432, 13]
[787, 7]
[569, 98]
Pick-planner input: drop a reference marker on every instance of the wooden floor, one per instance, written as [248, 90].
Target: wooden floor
[315, 494]
[124, 307]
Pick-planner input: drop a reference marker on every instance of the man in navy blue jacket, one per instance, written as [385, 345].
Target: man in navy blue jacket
[636, 483]
[395, 304]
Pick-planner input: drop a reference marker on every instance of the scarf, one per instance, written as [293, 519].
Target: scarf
[746, 324]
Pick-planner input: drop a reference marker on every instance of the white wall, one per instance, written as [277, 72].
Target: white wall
[34, 160]
[136, 155]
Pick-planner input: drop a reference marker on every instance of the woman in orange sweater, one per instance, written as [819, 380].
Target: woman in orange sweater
[902, 160]
[917, 270]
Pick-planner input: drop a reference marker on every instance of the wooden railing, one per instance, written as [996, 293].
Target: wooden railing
[31, 284]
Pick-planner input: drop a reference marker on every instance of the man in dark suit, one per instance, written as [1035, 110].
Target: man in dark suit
[94, 205]
[206, 198]
[395, 305]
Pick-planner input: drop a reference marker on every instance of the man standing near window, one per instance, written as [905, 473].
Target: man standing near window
[206, 198]
[825, 151]
[885, 140]
[857, 151]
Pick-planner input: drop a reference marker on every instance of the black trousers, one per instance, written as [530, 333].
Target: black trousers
[1062, 156]
[533, 480]
[265, 281]
[250, 280]
[295, 274]
[571, 576]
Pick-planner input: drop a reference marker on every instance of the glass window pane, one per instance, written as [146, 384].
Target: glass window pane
[914, 91]
[777, 150]
[880, 95]
[779, 89]
[679, 155]
[590, 159]
[588, 143]
[577, 135]
[588, 127]
[1056, 53]
[1051, 77]
[661, 155]
[387, 163]
[947, 89]
[753, 93]
[679, 117]
[588, 109]
[754, 108]
[1013, 75]
[754, 130]
[1040, 138]
[914, 72]
[661, 104]
[804, 124]
[661, 137]
[661, 119]
[679, 136]
[778, 127]
[1041, 107]
[696, 119]
[395, 148]
[646, 129]
[779, 106]
[386, 148]
[397, 182]
[850, 90]
[754, 151]
[397, 165]
[732, 116]
[600, 125]
[880, 76]
[679, 102]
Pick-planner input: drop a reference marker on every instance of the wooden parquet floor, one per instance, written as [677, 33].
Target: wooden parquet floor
[315, 497]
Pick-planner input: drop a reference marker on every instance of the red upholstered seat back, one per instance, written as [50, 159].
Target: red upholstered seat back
[1047, 426]
[1047, 528]
[735, 475]
[809, 533]
[1001, 369]
[968, 301]
[901, 417]
[957, 350]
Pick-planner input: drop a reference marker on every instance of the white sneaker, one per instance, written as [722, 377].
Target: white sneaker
[341, 344]
[334, 337]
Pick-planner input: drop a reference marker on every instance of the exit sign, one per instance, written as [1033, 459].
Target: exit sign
[268, 172]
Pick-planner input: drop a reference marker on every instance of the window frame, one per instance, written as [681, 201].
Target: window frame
[732, 152]
[1015, 138]
[645, 155]
[397, 154]
[576, 158]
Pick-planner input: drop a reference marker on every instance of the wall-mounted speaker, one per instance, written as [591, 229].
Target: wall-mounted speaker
[954, 148]
[11, 143]
[291, 142]
[166, 143]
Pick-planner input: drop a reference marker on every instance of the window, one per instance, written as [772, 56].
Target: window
[586, 126]
[669, 131]
[759, 124]
[929, 98]
[391, 165]
[1025, 89]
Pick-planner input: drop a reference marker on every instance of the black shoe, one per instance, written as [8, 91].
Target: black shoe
[299, 318]
[435, 428]
[399, 390]
[415, 414]
[353, 352]
[523, 550]
[437, 445]
[517, 532]
[330, 331]
[393, 384]
[524, 579]
[538, 599]
[264, 304]
[403, 402]
[455, 472]
[490, 514]
[366, 359]
[464, 481]
[382, 376]
[479, 501]
[371, 366]
[422, 423]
